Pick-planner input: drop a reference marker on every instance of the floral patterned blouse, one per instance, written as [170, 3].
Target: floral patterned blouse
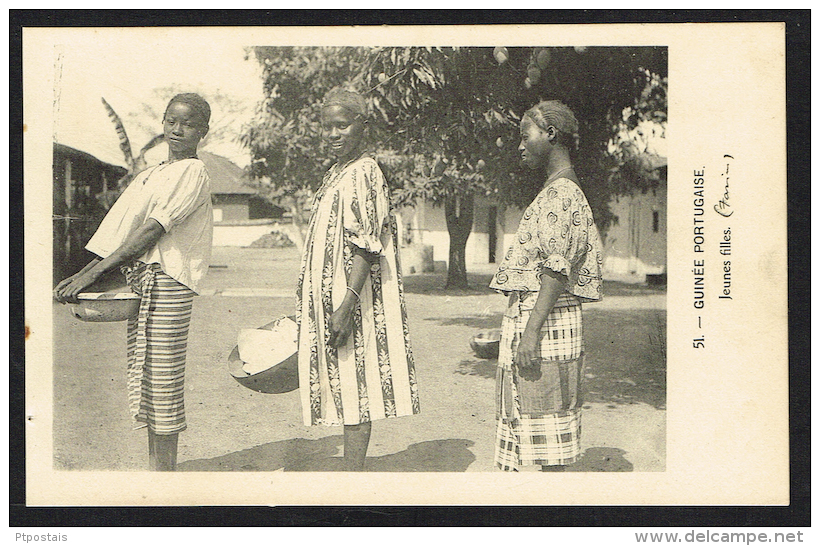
[557, 232]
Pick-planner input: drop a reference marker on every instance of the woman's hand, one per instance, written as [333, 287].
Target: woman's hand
[528, 352]
[341, 321]
[135, 245]
[341, 324]
[529, 355]
[62, 284]
[68, 289]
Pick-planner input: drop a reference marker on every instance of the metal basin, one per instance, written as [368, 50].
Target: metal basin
[486, 344]
[110, 299]
[279, 378]
[105, 306]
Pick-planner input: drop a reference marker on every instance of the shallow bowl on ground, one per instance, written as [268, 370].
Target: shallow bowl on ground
[279, 377]
[486, 344]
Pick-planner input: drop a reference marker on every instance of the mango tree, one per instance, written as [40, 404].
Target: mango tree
[459, 108]
[446, 122]
[448, 109]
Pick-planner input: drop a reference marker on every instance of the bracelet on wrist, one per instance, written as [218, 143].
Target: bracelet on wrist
[358, 297]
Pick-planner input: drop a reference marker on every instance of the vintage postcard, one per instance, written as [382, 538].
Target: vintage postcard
[674, 391]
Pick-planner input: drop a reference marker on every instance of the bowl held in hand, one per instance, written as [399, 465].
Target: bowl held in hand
[109, 299]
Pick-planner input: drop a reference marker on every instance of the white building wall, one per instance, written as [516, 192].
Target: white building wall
[635, 245]
[633, 248]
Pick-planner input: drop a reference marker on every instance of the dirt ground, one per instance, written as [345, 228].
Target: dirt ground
[231, 428]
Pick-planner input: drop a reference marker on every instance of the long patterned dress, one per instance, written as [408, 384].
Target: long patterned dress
[539, 412]
[372, 376]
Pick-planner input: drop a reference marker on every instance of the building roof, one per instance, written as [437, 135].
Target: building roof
[115, 170]
[226, 176]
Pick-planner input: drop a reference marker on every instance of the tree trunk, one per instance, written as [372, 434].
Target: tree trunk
[458, 211]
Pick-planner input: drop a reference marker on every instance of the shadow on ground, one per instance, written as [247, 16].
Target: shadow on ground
[479, 368]
[325, 455]
[479, 322]
[602, 459]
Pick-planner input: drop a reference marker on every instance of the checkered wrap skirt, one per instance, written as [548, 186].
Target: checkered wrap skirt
[156, 349]
[539, 411]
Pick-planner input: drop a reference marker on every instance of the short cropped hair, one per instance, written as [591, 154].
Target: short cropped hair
[199, 105]
[556, 114]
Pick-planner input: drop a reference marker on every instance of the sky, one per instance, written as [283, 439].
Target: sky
[129, 73]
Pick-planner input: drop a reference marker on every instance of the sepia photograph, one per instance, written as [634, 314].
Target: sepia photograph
[397, 187]
[282, 254]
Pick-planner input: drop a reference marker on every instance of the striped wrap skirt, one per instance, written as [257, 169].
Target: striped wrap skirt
[157, 344]
[539, 410]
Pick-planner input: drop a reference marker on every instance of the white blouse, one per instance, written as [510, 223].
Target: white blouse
[178, 196]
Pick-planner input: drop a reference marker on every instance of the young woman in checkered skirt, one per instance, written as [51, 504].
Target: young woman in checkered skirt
[552, 266]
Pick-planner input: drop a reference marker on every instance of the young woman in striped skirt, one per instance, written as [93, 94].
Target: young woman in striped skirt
[159, 234]
[552, 266]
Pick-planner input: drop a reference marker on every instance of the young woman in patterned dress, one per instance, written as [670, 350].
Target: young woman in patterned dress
[552, 266]
[355, 361]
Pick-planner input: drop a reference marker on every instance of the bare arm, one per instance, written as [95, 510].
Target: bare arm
[137, 244]
[341, 322]
[552, 284]
[65, 282]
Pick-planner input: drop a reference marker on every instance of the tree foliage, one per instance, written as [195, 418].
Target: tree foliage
[637, 147]
[446, 108]
[459, 108]
[446, 119]
[288, 157]
[285, 137]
